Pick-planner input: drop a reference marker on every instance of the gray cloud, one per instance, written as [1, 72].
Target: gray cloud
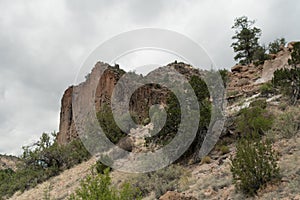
[145, 12]
[43, 44]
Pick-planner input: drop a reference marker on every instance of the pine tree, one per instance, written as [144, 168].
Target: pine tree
[246, 37]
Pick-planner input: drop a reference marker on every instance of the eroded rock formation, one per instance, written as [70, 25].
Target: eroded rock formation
[247, 79]
[140, 102]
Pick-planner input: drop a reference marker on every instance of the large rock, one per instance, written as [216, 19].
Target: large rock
[102, 88]
[239, 68]
[67, 129]
[270, 66]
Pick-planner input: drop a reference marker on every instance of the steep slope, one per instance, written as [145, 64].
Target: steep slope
[208, 181]
[59, 187]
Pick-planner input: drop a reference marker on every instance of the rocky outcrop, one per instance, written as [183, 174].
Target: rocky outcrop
[66, 124]
[270, 66]
[67, 129]
[243, 81]
[140, 101]
[247, 79]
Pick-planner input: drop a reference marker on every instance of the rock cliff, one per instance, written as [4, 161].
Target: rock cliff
[243, 81]
[140, 101]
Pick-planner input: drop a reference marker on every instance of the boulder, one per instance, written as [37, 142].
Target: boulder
[239, 68]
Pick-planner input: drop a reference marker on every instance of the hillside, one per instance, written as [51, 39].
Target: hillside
[206, 181]
[252, 102]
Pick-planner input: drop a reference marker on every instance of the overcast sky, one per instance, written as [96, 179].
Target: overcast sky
[44, 43]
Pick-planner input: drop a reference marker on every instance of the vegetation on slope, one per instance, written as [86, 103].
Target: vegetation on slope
[39, 162]
[98, 186]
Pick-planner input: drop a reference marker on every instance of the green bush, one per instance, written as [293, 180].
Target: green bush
[224, 149]
[173, 110]
[99, 187]
[266, 89]
[254, 120]
[100, 167]
[48, 154]
[254, 165]
[41, 161]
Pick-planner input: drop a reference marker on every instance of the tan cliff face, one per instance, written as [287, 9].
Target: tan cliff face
[67, 128]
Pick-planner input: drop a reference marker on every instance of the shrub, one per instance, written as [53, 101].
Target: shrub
[261, 103]
[266, 89]
[41, 161]
[287, 124]
[206, 160]
[224, 149]
[160, 181]
[254, 165]
[48, 154]
[99, 187]
[254, 120]
[100, 167]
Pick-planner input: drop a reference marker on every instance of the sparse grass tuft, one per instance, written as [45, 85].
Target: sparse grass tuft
[206, 160]
[161, 181]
